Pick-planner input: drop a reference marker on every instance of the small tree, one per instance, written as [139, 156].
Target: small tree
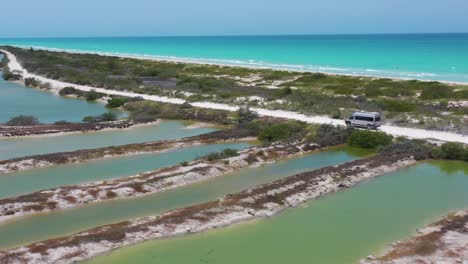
[89, 119]
[23, 120]
[106, 117]
[289, 130]
[116, 102]
[6, 73]
[453, 151]
[93, 95]
[31, 82]
[245, 115]
[70, 90]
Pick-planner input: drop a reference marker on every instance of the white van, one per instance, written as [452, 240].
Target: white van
[369, 120]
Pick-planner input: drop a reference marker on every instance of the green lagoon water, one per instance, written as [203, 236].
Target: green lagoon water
[415, 56]
[17, 183]
[20, 147]
[48, 225]
[16, 99]
[336, 229]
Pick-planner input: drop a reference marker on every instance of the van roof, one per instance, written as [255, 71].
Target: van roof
[367, 114]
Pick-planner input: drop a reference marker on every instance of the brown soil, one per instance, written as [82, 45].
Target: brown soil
[18, 131]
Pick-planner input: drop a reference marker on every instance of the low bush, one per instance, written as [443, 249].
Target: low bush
[244, 115]
[330, 135]
[418, 148]
[453, 151]
[289, 130]
[106, 117]
[70, 91]
[226, 153]
[435, 91]
[93, 95]
[116, 102]
[369, 139]
[397, 105]
[142, 111]
[62, 122]
[31, 82]
[23, 120]
[9, 75]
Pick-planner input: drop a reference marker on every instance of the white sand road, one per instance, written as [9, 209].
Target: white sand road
[393, 130]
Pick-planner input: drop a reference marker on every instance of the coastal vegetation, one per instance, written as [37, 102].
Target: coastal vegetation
[144, 111]
[369, 139]
[23, 120]
[226, 153]
[403, 102]
[116, 102]
[429, 105]
[106, 117]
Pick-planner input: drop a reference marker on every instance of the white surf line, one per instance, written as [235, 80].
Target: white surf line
[414, 133]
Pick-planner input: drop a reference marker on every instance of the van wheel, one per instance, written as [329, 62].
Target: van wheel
[370, 127]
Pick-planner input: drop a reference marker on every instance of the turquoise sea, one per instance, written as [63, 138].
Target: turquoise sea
[441, 57]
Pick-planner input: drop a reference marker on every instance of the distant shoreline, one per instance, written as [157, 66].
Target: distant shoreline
[225, 63]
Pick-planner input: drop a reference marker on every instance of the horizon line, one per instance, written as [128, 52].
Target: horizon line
[242, 35]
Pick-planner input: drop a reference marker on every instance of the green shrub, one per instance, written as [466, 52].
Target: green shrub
[184, 163]
[23, 120]
[93, 95]
[336, 114]
[9, 75]
[244, 115]
[435, 91]
[230, 152]
[31, 82]
[226, 153]
[116, 102]
[70, 91]
[106, 117]
[397, 105]
[89, 119]
[454, 151]
[289, 130]
[62, 122]
[369, 139]
[420, 149]
[443, 103]
[330, 135]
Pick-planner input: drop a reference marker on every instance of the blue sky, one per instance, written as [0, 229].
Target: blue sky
[62, 18]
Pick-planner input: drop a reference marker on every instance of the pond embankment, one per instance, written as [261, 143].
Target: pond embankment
[445, 241]
[49, 129]
[37, 161]
[147, 183]
[262, 201]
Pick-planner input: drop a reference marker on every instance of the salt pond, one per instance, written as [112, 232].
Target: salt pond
[48, 225]
[339, 228]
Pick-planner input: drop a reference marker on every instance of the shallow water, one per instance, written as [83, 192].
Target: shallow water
[48, 225]
[20, 147]
[339, 228]
[16, 99]
[13, 184]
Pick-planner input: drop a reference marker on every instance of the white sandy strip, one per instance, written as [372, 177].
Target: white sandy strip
[393, 130]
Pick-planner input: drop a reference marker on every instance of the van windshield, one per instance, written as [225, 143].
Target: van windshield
[377, 119]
